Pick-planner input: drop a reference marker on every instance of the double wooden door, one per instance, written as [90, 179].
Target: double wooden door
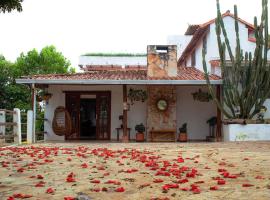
[102, 115]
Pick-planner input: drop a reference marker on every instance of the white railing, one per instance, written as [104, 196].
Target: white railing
[11, 126]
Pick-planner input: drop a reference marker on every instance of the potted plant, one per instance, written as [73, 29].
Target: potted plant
[183, 133]
[140, 128]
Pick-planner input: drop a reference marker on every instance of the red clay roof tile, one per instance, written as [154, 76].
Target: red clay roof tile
[184, 73]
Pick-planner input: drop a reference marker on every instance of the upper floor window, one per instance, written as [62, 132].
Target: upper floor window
[251, 35]
[193, 59]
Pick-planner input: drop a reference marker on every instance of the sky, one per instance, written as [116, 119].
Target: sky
[83, 26]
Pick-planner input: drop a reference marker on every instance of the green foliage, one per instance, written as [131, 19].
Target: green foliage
[137, 95]
[241, 137]
[11, 94]
[140, 128]
[246, 77]
[9, 5]
[183, 128]
[116, 54]
[48, 60]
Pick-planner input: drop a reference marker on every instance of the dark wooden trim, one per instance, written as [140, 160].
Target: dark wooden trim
[125, 131]
[88, 92]
[77, 94]
[108, 93]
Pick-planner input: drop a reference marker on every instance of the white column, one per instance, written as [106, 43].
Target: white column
[2, 128]
[34, 112]
[29, 125]
[17, 130]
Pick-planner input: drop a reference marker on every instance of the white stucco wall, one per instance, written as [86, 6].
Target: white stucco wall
[249, 132]
[181, 41]
[137, 113]
[212, 46]
[194, 113]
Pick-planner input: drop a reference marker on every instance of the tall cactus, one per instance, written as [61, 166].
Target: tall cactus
[246, 77]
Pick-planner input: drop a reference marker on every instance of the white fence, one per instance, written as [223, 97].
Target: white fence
[11, 126]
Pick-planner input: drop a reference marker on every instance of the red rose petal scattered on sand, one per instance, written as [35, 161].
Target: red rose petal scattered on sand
[69, 198]
[22, 196]
[121, 189]
[50, 191]
[181, 181]
[158, 181]
[10, 198]
[214, 188]
[95, 181]
[40, 184]
[221, 182]
[104, 189]
[247, 185]
[196, 191]
[115, 182]
[84, 165]
[180, 160]
[70, 178]
[20, 170]
[184, 189]
[199, 182]
[95, 189]
[39, 176]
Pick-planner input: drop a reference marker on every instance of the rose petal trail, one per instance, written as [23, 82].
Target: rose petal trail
[135, 171]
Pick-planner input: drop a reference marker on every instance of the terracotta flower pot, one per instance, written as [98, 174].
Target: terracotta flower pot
[139, 137]
[182, 137]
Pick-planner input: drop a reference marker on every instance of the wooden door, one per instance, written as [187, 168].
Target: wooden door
[103, 110]
[73, 107]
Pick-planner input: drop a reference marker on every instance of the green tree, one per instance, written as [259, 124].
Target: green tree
[9, 5]
[11, 95]
[48, 60]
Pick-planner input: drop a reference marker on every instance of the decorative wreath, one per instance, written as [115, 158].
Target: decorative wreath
[61, 123]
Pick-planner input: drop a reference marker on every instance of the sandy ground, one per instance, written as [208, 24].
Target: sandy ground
[135, 171]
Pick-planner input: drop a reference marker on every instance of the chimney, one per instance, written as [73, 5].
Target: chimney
[161, 61]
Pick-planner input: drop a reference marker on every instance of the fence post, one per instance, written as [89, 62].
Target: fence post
[2, 128]
[17, 130]
[29, 136]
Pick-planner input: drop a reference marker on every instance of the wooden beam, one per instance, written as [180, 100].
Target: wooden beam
[125, 131]
[219, 123]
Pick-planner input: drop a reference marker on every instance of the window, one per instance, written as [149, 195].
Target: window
[251, 36]
[162, 49]
[193, 59]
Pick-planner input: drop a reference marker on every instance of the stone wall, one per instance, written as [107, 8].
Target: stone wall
[161, 64]
[161, 119]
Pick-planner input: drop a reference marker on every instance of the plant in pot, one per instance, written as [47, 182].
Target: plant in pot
[183, 133]
[140, 128]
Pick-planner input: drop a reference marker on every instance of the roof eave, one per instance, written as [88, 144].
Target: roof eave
[117, 82]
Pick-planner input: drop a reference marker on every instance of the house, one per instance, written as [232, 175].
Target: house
[99, 96]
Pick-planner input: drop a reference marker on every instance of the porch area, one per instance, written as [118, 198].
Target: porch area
[86, 103]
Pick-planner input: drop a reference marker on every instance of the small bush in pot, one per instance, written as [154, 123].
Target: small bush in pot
[140, 128]
[183, 133]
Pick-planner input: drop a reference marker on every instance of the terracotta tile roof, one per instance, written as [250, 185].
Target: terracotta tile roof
[184, 73]
[199, 31]
[112, 67]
